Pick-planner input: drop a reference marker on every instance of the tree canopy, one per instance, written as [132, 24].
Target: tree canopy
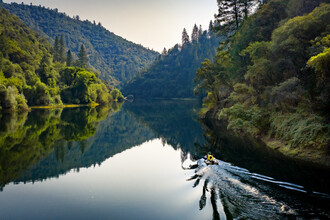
[172, 74]
[116, 59]
[34, 73]
[271, 76]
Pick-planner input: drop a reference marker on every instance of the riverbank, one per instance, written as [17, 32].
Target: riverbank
[63, 106]
[312, 154]
[318, 156]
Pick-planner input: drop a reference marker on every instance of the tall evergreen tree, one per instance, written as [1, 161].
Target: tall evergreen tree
[164, 52]
[194, 34]
[69, 58]
[200, 32]
[185, 37]
[61, 50]
[56, 49]
[232, 12]
[212, 28]
[82, 57]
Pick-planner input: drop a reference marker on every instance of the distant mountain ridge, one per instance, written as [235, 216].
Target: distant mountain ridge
[172, 74]
[29, 75]
[111, 55]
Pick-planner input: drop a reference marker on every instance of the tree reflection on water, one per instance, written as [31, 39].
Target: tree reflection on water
[27, 138]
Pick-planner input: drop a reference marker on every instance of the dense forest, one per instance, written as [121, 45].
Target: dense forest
[116, 59]
[32, 72]
[270, 78]
[172, 74]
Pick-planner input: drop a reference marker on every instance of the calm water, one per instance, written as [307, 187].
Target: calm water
[132, 163]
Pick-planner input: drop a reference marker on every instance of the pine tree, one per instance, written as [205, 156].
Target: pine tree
[185, 37]
[82, 57]
[164, 52]
[246, 6]
[210, 30]
[56, 49]
[200, 32]
[194, 34]
[61, 50]
[69, 58]
[232, 12]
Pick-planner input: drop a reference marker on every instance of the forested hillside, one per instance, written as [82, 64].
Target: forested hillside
[271, 77]
[108, 53]
[172, 74]
[28, 75]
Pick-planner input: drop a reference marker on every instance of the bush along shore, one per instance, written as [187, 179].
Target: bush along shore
[33, 73]
[270, 78]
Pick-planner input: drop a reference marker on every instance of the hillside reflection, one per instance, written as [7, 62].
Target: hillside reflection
[27, 138]
[48, 143]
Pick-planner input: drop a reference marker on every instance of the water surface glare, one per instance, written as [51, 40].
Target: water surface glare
[133, 162]
[145, 182]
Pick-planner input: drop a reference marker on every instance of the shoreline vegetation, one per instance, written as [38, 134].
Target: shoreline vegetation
[318, 156]
[35, 74]
[270, 78]
[220, 136]
[61, 106]
[116, 59]
[53, 107]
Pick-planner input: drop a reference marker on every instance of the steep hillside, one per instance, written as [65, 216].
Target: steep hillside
[108, 53]
[172, 74]
[28, 74]
[271, 78]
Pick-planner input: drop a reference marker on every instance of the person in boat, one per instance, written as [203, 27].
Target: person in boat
[209, 159]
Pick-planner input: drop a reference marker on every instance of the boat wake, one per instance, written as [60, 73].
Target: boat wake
[236, 193]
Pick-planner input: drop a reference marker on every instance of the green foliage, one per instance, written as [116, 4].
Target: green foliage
[116, 95]
[288, 95]
[28, 74]
[231, 13]
[59, 50]
[243, 94]
[293, 38]
[172, 74]
[82, 57]
[244, 119]
[69, 58]
[300, 129]
[277, 60]
[83, 87]
[11, 99]
[114, 57]
[321, 63]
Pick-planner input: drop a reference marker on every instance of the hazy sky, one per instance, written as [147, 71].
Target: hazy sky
[153, 23]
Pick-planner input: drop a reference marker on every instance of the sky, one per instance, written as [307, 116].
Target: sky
[153, 23]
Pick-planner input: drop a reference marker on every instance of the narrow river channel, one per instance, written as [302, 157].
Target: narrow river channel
[133, 163]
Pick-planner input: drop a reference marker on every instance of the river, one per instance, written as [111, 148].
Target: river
[132, 162]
